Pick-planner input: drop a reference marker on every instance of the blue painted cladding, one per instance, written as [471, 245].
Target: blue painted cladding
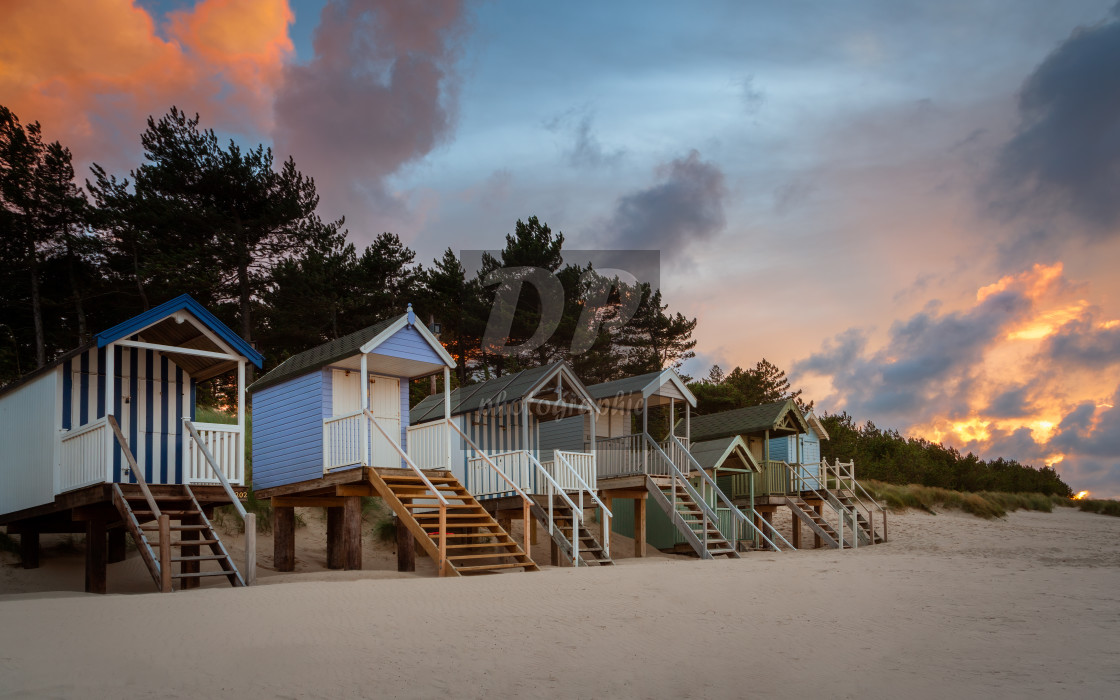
[408, 344]
[150, 395]
[288, 430]
[780, 449]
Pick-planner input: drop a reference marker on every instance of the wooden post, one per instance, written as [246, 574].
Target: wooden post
[284, 538]
[164, 553]
[532, 531]
[817, 538]
[250, 572]
[335, 559]
[796, 540]
[189, 567]
[116, 545]
[604, 527]
[352, 531]
[768, 516]
[640, 527]
[406, 548]
[447, 410]
[554, 553]
[95, 556]
[363, 387]
[29, 549]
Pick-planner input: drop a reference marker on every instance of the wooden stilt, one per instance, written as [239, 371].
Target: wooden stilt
[284, 538]
[796, 539]
[165, 553]
[116, 545]
[406, 545]
[640, 527]
[352, 532]
[554, 556]
[532, 531]
[817, 543]
[96, 556]
[335, 559]
[190, 567]
[29, 549]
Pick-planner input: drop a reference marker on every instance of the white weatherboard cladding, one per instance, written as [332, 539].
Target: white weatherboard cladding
[29, 432]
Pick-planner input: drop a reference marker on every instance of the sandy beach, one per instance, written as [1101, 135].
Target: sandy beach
[953, 606]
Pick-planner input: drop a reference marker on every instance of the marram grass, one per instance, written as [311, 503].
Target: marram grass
[984, 504]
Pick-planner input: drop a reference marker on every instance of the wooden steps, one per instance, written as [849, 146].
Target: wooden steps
[869, 536]
[701, 533]
[590, 549]
[820, 527]
[405, 493]
[185, 517]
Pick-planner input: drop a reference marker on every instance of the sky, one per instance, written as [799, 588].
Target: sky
[914, 208]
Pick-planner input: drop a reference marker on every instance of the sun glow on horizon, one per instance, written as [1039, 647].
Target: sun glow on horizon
[1081, 495]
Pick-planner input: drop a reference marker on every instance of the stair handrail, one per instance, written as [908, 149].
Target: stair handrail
[692, 492]
[431, 487]
[525, 500]
[164, 521]
[796, 477]
[249, 519]
[720, 495]
[559, 455]
[878, 506]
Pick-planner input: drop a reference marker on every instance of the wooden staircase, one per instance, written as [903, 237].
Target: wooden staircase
[160, 550]
[476, 543]
[867, 534]
[590, 549]
[690, 519]
[820, 527]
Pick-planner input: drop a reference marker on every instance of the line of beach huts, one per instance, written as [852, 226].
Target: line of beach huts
[104, 441]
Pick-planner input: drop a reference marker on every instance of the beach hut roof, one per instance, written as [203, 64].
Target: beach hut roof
[536, 382]
[648, 384]
[724, 453]
[180, 322]
[364, 341]
[780, 418]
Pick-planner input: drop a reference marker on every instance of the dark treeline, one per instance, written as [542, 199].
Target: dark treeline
[240, 232]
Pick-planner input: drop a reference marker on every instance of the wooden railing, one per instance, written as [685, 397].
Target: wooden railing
[427, 445]
[161, 518]
[199, 442]
[574, 470]
[774, 478]
[342, 441]
[842, 476]
[500, 474]
[226, 446]
[84, 456]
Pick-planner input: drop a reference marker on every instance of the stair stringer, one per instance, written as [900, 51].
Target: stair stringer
[827, 536]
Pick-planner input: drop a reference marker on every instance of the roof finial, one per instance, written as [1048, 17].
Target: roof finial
[411, 315]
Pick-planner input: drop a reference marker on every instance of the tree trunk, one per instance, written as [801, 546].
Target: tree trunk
[136, 275]
[79, 307]
[36, 306]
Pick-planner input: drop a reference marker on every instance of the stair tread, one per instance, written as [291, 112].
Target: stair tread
[202, 574]
[180, 528]
[485, 567]
[201, 557]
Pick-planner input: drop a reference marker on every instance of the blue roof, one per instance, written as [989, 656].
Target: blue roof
[181, 303]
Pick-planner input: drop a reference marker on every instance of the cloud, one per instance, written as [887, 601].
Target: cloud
[586, 150]
[91, 71]
[1066, 151]
[1085, 343]
[380, 93]
[684, 208]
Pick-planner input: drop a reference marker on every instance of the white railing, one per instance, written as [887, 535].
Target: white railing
[342, 441]
[515, 466]
[226, 446]
[679, 453]
[621, 456]
[569, 465]
[845, 473]
[427, 445]
[84, 456]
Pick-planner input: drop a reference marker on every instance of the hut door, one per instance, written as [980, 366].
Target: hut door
[345, 392]
[385, 405]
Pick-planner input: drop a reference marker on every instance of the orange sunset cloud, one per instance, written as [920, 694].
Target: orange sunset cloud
[77, 65]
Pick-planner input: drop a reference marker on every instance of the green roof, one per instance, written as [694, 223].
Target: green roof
[494, 392]
[749, 421]
[321, 355]
[711, 454]
[626, 385]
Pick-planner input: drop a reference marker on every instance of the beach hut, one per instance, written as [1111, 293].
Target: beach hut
[499, 457]
[783, 440]
[330, 426]
[104, 441]
[634, 465]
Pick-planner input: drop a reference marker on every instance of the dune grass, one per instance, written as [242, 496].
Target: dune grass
[984, 504]
[1100, 506]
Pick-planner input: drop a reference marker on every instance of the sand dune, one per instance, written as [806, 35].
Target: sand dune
[952, 606]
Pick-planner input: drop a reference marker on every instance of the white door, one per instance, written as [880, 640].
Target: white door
[385, 405]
